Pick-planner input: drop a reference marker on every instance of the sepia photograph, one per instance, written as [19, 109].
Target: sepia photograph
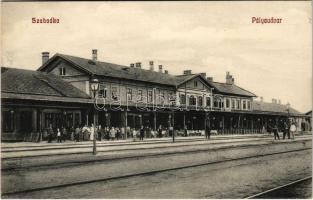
[156, 100]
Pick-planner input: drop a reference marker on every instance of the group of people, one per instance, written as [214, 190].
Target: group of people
[85, 133]
[287, 128]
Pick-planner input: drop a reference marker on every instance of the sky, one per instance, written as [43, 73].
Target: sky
[270, 60]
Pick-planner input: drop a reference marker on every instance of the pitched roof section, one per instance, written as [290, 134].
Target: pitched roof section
[22, 81]
[180, 79]
[119, 71]
[273, 108]
[231, 89]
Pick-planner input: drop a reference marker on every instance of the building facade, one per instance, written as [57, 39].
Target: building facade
[130, 96]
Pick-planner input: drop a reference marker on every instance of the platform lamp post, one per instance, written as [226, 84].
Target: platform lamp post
[94, 84]
[171, 128]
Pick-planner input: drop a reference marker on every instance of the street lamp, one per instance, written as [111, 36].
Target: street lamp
[171, 128]
[94, 84]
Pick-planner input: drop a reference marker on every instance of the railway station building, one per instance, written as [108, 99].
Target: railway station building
[62, 93]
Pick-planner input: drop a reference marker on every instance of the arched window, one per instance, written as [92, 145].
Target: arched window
[102, 91]
[215, 102]
[227, 103]
[200, 101]
[192, 100]
[208, 101]
[233, 103]
[182, 99]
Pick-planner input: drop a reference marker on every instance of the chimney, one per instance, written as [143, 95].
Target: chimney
[132, 65]
[203, 74]
[274, 100]
[187, 72]
[45, 57]
[279, 102]
[160, 68]
[229, 79]
[210, 79]
[165, 71]
[138, 65]
[151, 64]
[261, 99]
[94, 54]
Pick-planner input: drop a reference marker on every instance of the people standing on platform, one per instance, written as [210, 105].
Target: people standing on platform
[63, 134]
[160, 131]
[107, 133]
[99, 131]
[142, 133]
[123, 133]
[185, 131]
[128, 132]
[104, 132]
[81, 134]
[59, 140]
[50, 134]
[72, 131]
[77, 133]
[118, 133]
[207, 132]
[263, 129]
[148, 132]
[84, 132]
[286, 130]
[112, 133]
[92, 133]
[293, 129]
[275, 130]
[269, 128]
[171, 131]
[134, 133]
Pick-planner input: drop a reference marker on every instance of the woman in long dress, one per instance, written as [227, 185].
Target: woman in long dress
[293, 129]
[92, 132]
[112, 133]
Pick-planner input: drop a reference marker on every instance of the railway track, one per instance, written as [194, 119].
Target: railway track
[279, 188]
[167, 150]
[77, 183]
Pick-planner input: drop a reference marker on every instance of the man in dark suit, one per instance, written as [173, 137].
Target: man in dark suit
[275, 130]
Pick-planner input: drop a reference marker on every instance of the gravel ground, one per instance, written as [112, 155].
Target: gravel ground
[234, 179]
[17, 180]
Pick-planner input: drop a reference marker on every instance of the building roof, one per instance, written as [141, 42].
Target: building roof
[44, 98]
[266, 107]
[231, 89]
[180, 79]
[119, 71]
[28, 82]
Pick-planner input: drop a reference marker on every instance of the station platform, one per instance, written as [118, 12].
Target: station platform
[5, 145]
[131, 140]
